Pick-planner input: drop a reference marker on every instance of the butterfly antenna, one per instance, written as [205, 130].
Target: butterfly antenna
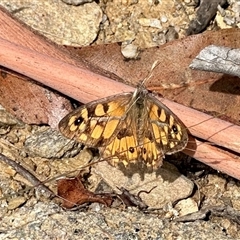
[154, 65]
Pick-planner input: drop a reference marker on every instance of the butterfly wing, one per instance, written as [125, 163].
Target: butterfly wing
[164, 133]
[94, 124]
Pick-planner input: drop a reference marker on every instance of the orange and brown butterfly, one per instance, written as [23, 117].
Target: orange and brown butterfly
[132, 127]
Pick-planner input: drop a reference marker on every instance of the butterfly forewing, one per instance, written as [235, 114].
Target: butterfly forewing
[168, 130]
[95, 123]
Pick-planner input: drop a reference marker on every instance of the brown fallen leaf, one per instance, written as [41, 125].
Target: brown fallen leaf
[31, 102]
[73, 193]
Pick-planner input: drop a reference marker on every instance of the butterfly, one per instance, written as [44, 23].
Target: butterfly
[132, 127]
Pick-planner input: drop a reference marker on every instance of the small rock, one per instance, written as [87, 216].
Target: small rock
[64, 24]
[6, 119]
[49, 143]
[16, 202]
[129, 51]
[153, 22]
[169, 184]
[186, 206]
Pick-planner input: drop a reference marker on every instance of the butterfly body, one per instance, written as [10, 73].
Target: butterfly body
[127, 128]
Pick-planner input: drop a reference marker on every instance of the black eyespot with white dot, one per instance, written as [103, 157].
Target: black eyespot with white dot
[78, 121]
[131, 150]
[174, 128]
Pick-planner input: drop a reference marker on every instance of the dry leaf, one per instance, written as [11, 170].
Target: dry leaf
[73, 193]
[31, 102]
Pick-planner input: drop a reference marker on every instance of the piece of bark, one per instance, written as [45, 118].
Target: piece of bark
[205, 13]
[174, 59]
[205, 213]
[218, 59]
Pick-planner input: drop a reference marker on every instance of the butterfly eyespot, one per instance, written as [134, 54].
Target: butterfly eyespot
[174, 128]
[131, 149]
[78, 121]
[144, 150]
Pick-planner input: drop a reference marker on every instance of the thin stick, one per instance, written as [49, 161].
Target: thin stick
[26, 174]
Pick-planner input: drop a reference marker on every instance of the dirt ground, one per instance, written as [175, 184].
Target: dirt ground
[187, 200]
